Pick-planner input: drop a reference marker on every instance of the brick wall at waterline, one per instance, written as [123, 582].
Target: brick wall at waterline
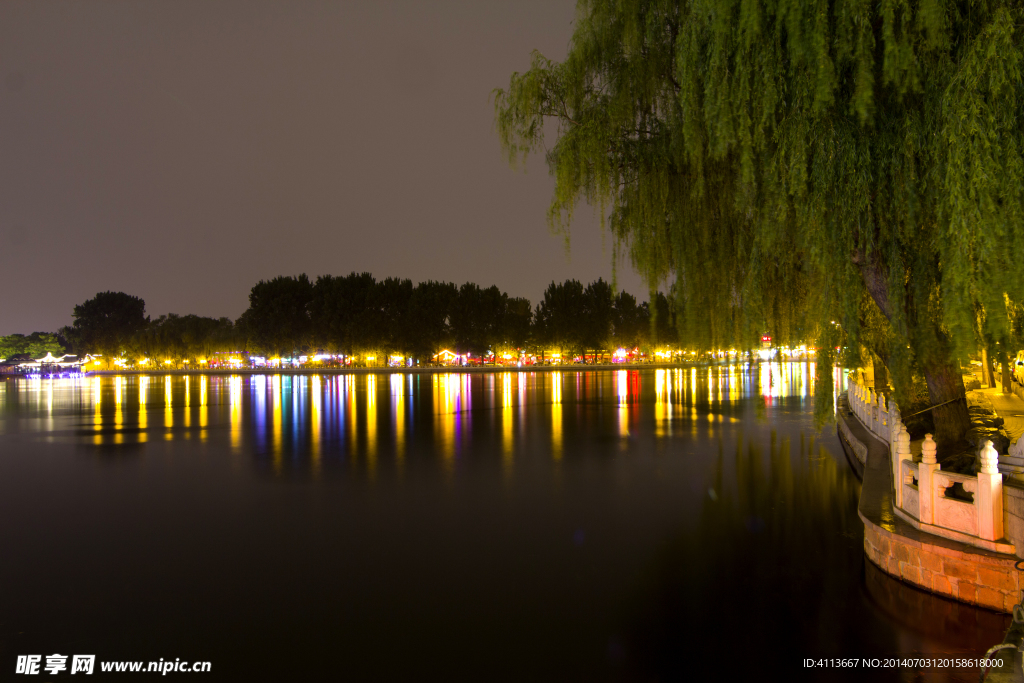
[976, 578]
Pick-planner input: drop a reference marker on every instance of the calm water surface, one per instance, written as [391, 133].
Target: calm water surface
[580, 525]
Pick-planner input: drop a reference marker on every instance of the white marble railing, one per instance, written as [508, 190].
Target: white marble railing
[923, 494]
[881, 417]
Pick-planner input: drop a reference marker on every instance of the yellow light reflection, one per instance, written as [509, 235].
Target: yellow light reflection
[235, 397]
[143, 412]
[507, 456]
[168, 408]
[204, 409]
[662, 402]
[398, 412]
[97, 416]
[556, 415]
[118, 411]
[350, 388]
[275, 437]
[445, 394]
[188, 410]
[521, 403]
[371, 426]
[315, 411]
[622, 390]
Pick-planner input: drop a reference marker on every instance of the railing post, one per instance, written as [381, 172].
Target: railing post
[874, 412]
[870, 405]
[989, 501]
[876, 416]
[902, 453]
[870, 410]
[925, 488]
[865, 411]
[895, 425]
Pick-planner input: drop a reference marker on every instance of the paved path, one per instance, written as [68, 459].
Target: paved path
[1010, 407]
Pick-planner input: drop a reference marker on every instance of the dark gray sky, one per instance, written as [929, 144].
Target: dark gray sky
[182, 151]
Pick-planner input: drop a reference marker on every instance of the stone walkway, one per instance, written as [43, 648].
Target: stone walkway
[1009, 407]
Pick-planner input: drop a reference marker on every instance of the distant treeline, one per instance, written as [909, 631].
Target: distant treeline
[36, 345]
[357, 315]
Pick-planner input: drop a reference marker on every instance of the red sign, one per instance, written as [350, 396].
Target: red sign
[766, 338]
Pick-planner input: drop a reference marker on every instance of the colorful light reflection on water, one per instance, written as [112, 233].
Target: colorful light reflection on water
[362, 416]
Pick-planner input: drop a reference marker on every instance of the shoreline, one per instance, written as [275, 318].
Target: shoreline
[487, 369]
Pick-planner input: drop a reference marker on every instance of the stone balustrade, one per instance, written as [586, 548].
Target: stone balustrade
[961, 507]
[881, 417]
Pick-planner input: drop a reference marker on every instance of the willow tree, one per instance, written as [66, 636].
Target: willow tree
[781, 159]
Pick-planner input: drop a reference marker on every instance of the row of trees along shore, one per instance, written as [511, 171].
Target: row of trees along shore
[36, 345]
[855, 165]
[357, 315]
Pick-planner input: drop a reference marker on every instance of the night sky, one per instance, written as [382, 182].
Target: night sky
[182, 151]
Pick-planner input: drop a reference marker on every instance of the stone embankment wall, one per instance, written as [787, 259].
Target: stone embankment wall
[936, 564]
[965, 576]
[859, 449]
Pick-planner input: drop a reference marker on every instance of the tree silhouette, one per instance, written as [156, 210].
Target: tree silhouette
[108, 323]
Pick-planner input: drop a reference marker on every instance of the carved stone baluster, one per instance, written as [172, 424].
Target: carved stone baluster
[989, 498]
[925, 475]
[883, 413]
[902, 453]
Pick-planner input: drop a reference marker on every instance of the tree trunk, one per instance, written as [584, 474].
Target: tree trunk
[881, 375]
[986, 369]
[1007, 377]
[940, 369]
[945, 383]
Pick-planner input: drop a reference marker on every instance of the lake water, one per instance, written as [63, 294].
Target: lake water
[573, 526]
